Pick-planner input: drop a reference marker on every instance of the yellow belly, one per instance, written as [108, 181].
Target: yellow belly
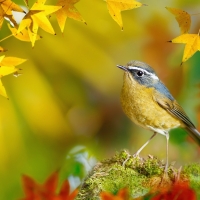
[138, 104]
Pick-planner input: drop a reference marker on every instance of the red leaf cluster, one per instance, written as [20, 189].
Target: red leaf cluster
[47, 191]
[179, 191]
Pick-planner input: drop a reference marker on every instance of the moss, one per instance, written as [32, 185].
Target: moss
[123, 170]
[139, 175]
[192, 172]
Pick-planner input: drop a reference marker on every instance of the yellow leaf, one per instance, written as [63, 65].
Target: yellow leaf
[37, 18]
[1, 16]
[67, 10]
[2, 90]
[183, 19]
[116, 6]
[32, 33]
[23, 35]
[192, 42]
[7, 70]
[41, 21]
[1, 58]
[7, 66]
[26, 22]
[11, 61]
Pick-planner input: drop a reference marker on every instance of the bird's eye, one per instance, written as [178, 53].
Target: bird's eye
[140, 73]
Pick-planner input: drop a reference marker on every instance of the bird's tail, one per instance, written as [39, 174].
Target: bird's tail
[194, 134]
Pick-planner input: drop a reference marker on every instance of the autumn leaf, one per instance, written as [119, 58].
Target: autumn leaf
[7, 66]
[47, 190]
[23, 35]
[192, 42]
[37, 18]
[116, 6]
[121, 195]
[6, 8]
[64, 193]
[183, 19]
[179, 191]
[67, 10]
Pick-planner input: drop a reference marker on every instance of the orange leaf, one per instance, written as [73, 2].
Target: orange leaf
[179, 191]
[35, 191]
[116, 6]
[121, 195]
[67, 10]
[6, 8]
[29, 186]
[183, 19]
[192, 42]
[65, 190]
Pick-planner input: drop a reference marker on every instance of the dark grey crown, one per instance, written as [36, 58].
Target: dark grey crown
[142, 65]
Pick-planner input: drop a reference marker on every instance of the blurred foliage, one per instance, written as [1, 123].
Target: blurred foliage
[69, 93]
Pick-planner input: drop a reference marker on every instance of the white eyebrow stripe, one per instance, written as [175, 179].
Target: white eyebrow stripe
[137, 68]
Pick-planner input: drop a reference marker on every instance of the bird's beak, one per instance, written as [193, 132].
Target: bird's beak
[122, 67]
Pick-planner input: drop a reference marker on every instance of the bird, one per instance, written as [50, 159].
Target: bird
[149, 104]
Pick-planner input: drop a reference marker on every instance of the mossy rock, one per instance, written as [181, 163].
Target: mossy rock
[139, 175]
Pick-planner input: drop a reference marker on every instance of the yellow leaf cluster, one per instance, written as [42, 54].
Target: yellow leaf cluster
[37, 17]
[192, 41]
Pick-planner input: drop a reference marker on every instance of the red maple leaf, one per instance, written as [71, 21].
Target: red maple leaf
[179, 191]
[47, 191]
[121, 195]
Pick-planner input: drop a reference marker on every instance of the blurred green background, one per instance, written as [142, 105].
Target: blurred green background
[67, 102]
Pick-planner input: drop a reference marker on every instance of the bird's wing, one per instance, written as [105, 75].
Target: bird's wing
[173, 108]
[177, 111]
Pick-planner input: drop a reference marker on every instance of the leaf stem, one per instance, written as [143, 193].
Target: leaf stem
[6, 38]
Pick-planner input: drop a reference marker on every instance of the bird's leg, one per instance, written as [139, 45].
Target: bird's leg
[165, 175]
[138, 152]
[144, 145]
[166, 166]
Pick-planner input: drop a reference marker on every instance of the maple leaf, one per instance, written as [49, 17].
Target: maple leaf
[179, 191]
[121, 195]
[23, 35]
[37, 17]
[47, 190]
[67, 10]
[116, 6]
[192, 42]
[7, 66]
[64, 193]
[183, 19]
[6, 8]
